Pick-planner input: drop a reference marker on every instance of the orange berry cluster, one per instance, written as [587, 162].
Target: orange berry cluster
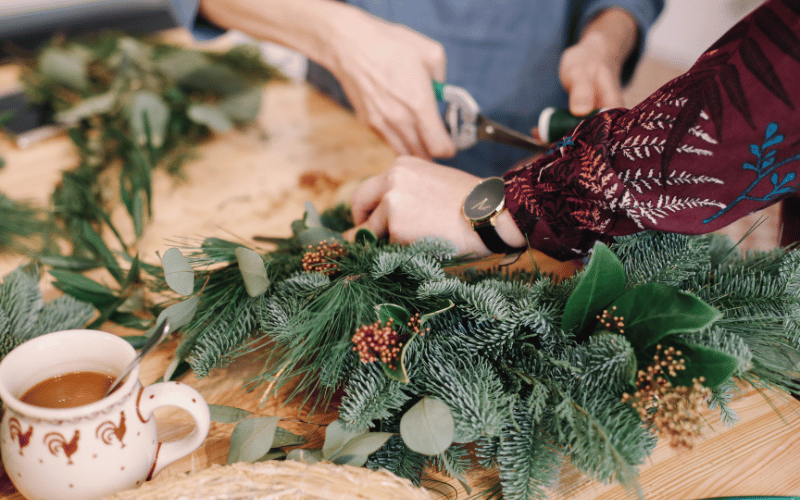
[673, 412]
[413, 324]
[377, 342]
[612, 321]
[322, 258]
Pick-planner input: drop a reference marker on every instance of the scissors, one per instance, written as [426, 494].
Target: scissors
[467, 125]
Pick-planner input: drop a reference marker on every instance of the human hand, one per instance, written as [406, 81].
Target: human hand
[386, 71]
[591, 76]
[416, 198]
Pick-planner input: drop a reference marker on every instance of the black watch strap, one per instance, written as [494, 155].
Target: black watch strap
[491, 239]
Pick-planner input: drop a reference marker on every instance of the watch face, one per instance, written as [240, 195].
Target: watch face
[485, 200]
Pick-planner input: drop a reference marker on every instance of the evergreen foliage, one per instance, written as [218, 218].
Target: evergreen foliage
[528, 394]
[24, 314]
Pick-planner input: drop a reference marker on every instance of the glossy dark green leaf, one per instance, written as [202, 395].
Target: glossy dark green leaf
[654, 310]
[428, 427]
[714, 366]
[227, 414]
[438, 307]
[253, 271]
[365, 237]
[398, 314]
[99, 246]
[68, 262]
[252, 438]
[601, 282]
[136, 341]
[177, 272]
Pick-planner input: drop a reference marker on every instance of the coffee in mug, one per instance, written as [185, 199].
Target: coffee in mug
[102, 445]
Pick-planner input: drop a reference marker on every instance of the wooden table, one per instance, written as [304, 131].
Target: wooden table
[243, 184]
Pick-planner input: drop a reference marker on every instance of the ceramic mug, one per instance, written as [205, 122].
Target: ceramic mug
[93, 450]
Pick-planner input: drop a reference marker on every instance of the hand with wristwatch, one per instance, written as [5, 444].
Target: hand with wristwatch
[416, 198]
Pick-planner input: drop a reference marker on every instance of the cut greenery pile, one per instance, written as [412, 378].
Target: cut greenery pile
[530, 370]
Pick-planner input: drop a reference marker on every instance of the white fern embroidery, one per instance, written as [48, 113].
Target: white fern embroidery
[646, 182]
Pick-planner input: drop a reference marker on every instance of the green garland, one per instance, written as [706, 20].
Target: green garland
[531, 370]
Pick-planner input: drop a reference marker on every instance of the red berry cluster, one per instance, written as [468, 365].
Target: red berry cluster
[377, 342]
[322, 258]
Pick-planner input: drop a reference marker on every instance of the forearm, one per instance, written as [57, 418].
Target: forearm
[307, 26]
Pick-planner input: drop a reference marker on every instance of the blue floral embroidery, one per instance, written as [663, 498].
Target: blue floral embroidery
[765, 165]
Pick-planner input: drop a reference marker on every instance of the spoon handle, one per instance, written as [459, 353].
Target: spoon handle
[160, 332]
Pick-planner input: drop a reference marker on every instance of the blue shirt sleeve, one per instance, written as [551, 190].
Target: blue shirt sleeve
[644, 12]
[187, 14]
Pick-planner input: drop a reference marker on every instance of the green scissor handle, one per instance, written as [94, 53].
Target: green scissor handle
[438, 89]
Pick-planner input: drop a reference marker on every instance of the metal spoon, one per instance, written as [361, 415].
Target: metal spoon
[160, 332]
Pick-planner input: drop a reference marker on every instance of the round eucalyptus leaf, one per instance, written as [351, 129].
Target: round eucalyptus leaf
[428, 427]
[177, 272]
[287, 438]
[254, 273]
[210, 116]
[312, 217]
[227, 414]
[147, 110]
[180, 314]
[96, 105]
[337, 434]
[365, 237]
[66, 66]
[307, 456]
[316, 235]
[244, 106]
[356, 451]
[252, 438]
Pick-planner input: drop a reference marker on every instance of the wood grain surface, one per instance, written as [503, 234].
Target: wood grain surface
[254, 182]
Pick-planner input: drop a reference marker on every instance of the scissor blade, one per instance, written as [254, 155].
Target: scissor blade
[491, 130]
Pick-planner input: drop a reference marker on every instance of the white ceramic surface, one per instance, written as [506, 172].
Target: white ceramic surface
[93, 450]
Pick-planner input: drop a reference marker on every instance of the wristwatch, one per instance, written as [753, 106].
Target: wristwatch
[481, 206]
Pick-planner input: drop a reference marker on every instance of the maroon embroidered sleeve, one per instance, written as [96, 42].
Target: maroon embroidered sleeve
[713, 145]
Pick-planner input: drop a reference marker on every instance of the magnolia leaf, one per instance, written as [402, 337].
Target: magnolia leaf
[287, 438]
[356, 451]
[428, 427]
[441, 306]
[337, 434]
[227, 414]
[96, 105]
[177, 272]
[254, 273]
[210, 116]
[365, 237]
[307, 456]
[252, 438]
[244, 106]
[654, 310]
[311, 216]
[314, 236]
[180, 313]
[66, 66]
[714, 366]
[601, 282]
[398, 314]
[146, 106]
[399, 372]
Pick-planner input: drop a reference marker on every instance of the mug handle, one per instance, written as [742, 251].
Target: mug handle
[184, 397]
